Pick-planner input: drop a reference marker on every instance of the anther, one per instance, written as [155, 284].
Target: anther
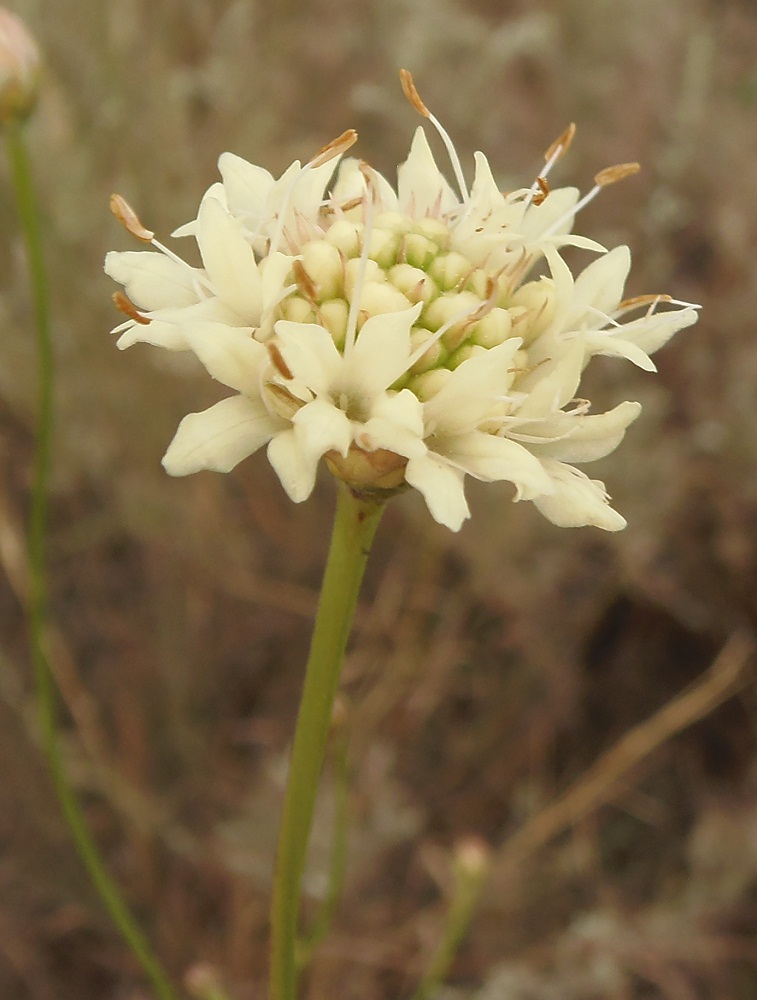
[124, 304]
[305, 284]
[334, 148]
[278, 361]
[129, 219]
[561, 145]
[411, 93]
[642, 300]
[611, 175]
[544, 190]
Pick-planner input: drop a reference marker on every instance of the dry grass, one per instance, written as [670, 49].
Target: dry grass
[489, 669]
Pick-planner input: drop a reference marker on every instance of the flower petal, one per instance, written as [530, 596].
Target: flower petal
[152, 280]
[220, 437]
[493, 458]
[231, 355]
[320, 427]
[310, 354]
[396, 424]
[229, 261]
[295, 469]
[587, 438]
[441, 486]
[471, 391]
[577, 500]
[422, 188]
[381, 352]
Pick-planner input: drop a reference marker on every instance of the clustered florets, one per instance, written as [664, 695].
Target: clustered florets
[409, 337]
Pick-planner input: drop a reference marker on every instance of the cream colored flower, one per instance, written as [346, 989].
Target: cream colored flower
[410, 338]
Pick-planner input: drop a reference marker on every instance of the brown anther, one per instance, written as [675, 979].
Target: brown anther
[305, 284]
[352, 203]
[611, 175]
[129, 219]
[492, 295]
[278, 361]
[544, 190]
[126, 306]
[643, 300]
[408, 86]
[561, 145]
[335, 148]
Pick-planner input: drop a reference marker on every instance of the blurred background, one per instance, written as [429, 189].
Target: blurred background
[489, 669]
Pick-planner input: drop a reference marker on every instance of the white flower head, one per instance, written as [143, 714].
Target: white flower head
[408, 337]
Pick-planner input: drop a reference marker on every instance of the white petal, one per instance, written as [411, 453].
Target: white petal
[216, 192]
[229, 261]
[441, 487]
[231, 355]
[169, 336]
[152, 280]
[577, 500]
[612, 345]
[470, 393]
[589, 437]
[422, 188]
[599, 288]
[553, 383]
[220, 437]
[650, 333]
[321, 427]
[381, 351]
[247, 186]
[295, 469]
[493, 458]
[350, 184]
[396, 424]
[310, 354]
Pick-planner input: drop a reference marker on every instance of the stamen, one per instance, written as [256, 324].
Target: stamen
[559, 147]
[544, 189]
[278, 361]
[408, 86]
[641, 300]
[334, 148]
[124, 304]
[552, 154]
[610, 175]
[305, 284]
[129, 219]
[368, 199]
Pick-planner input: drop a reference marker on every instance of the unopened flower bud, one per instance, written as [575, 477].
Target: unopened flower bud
[449, 270]
[20, 65]
[323, 264]
[413, 283]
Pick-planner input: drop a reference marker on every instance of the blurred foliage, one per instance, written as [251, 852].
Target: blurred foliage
[489, 669]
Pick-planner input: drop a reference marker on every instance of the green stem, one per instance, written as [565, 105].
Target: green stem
[45, 686]
[355, 524]
[322, 923]
[472, 866]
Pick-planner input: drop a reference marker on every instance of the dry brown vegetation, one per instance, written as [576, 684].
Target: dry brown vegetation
[489, 670]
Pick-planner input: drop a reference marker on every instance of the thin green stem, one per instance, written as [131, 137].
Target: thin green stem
[355, 524]
[38, 601]
[472, 867]
[322, 923]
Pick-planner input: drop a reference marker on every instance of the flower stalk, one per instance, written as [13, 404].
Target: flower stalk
[355, 524]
